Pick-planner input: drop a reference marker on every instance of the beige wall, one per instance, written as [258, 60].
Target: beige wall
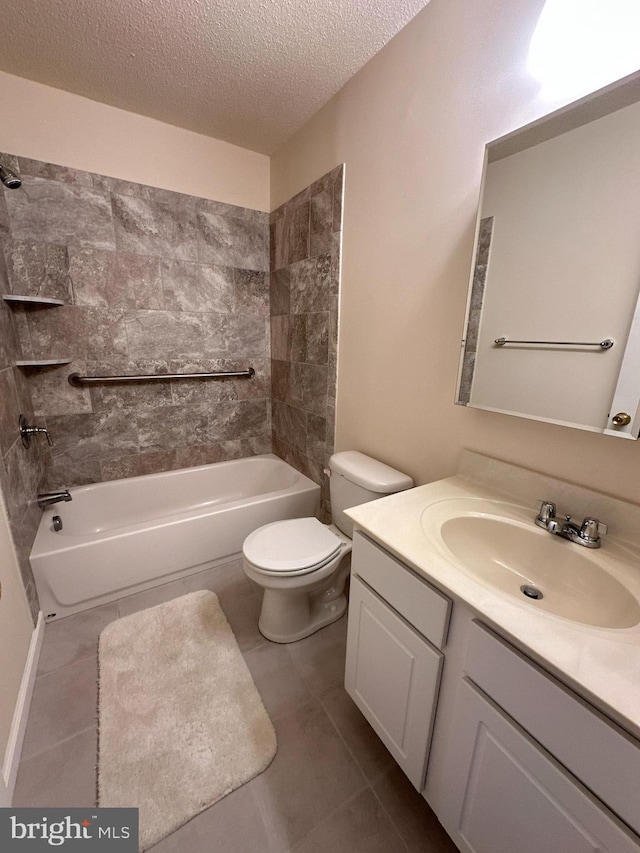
[15, 630]
[411, 128]
[48, 124]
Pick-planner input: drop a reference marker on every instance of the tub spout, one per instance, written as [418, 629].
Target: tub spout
[48, 498]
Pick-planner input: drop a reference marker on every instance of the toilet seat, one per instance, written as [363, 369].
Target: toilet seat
[293, 547]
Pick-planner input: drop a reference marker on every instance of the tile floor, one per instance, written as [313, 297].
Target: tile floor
[331, 787]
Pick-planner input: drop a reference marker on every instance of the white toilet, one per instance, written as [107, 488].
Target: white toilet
[303, 564]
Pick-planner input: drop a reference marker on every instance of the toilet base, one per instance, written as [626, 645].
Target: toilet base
[285, 619]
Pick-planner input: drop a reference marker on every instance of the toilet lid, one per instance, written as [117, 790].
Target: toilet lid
[288, 546]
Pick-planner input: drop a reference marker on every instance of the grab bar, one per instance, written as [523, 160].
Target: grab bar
[606, 344]
[77, 381]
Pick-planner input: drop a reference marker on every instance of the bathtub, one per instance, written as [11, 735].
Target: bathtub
[124, 536]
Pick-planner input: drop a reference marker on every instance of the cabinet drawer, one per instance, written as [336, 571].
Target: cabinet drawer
[595, 750]
[417, 601]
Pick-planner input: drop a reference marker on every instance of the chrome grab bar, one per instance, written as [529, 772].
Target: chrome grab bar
[606, 344]
[77, 380]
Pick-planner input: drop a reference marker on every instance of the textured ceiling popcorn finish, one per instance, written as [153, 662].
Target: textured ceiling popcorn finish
[250, 72]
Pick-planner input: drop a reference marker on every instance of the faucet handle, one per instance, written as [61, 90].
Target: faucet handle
[546, 513]
[592, 528]
[26, 432]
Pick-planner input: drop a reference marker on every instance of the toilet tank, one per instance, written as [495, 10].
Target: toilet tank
[356, 479]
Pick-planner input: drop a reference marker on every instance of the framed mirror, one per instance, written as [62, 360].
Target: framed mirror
[553, 326]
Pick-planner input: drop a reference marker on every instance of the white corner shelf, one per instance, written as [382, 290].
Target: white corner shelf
[44, 362]
[31, 300]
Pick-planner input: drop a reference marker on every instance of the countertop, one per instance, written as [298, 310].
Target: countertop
[601, 664]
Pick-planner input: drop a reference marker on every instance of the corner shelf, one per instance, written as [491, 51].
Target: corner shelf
[26, 301]
[44, 362]
[31, 300]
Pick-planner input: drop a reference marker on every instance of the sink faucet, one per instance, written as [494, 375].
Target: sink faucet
[48, 498]
[586, 534]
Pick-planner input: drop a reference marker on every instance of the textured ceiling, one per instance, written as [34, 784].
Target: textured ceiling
[250, 72]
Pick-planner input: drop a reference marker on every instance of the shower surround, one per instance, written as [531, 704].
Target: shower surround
[153, 282]
[305, 247]
[21, 472]
[156, 281]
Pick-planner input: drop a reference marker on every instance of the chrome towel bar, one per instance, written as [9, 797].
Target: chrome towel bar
[606, 344]
[77, 381]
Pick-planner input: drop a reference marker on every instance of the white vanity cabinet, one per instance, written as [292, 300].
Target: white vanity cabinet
[527, 765]
[515, 761]
[507, 794]
[393, 666]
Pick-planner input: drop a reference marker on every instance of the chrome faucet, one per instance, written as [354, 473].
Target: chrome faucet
[586, 534]
[48, 498]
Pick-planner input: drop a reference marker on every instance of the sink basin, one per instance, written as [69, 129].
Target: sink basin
[509, 554]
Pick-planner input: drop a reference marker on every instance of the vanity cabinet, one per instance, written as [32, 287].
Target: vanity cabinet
[525, 764]
[507, 794]
[393, 666]
[593, 748]
[514, 759]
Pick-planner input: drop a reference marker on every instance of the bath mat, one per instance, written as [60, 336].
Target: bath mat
[181, 723]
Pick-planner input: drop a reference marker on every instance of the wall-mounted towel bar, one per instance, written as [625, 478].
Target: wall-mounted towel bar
[606, 344]
[77, 381]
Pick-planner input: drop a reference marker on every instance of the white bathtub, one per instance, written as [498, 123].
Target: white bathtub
[124, 536]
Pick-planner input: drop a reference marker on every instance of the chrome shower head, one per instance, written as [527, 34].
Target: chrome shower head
[9, 179]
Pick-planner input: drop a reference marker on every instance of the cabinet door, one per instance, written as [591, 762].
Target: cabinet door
[392, 674]
[507, 794]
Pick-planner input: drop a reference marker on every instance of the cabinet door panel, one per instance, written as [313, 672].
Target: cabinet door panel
[508, 794]
[604, 757]
[392, 674]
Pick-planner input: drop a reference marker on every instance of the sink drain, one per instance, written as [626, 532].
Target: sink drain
[531, 592]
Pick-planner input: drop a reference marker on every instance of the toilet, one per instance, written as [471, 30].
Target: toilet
[302, 564]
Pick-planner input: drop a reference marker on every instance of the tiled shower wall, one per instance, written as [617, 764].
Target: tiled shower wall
[305, 275]
[475, 310]
[153, 282]
[21, 471]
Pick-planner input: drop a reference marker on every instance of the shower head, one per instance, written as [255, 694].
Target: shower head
[11, 181]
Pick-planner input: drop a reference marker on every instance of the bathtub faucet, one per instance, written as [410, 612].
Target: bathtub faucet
[48, 498]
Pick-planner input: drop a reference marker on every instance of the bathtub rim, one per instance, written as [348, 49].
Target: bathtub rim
[65, 542]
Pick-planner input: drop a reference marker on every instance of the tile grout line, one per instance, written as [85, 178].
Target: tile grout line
[92, 654]
[390, 819]
[58, 743]
[329, 817]
[370, 783]
[314, 702]
[75, 662]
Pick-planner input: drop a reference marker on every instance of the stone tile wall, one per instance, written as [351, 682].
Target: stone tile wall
[305, 276]
[475, 310]
[21, 470]
[153, 282]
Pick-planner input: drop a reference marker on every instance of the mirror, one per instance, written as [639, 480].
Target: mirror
[553, 326]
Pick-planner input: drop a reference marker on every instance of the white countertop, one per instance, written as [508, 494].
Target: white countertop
[602, 664]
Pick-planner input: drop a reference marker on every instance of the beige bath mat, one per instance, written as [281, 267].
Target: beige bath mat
[181, 723]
